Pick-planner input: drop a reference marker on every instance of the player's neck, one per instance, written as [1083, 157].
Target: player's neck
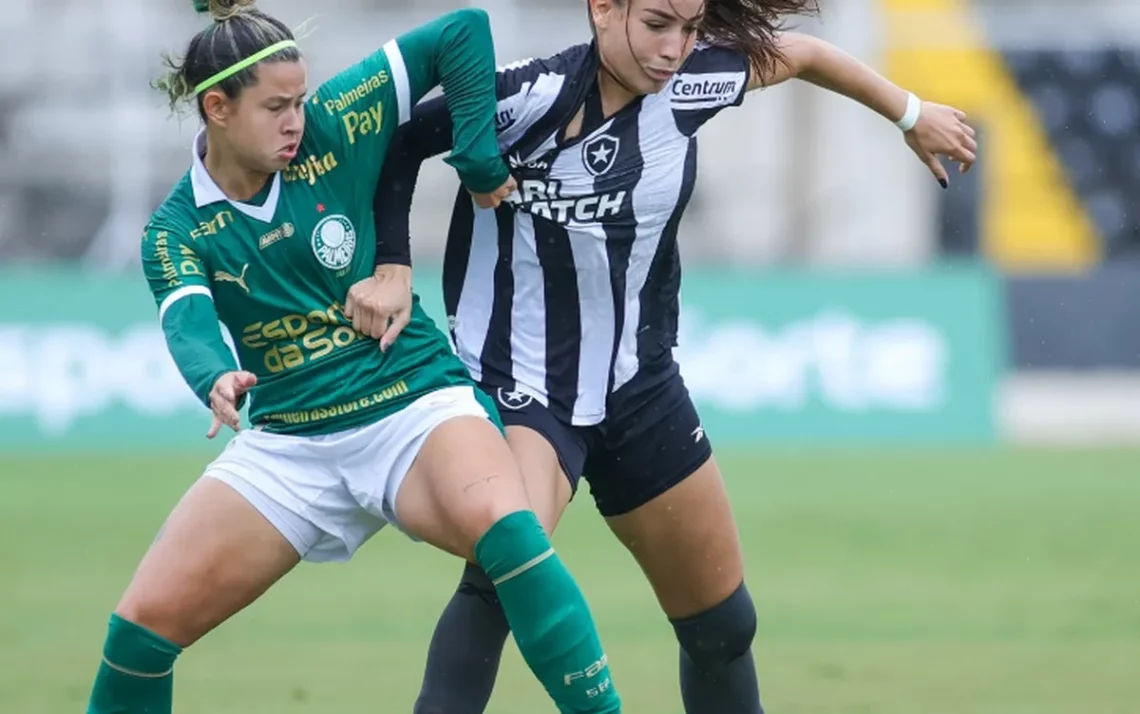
[615, 95]
[237, 182]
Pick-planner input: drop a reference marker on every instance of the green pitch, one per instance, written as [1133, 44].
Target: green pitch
[932, 583]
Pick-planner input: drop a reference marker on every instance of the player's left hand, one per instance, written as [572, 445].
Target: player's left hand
[942, 131]
[493, 199]
[381, 306]
[225, 398]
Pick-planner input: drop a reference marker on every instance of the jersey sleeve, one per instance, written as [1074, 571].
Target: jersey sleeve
[712, 79]
[525, 92]
[173, 269]
[178, 280]
[365, 102]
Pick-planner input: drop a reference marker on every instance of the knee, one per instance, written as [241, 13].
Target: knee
[479, 519]
[160, 616]
[719, 635]
[480, 513]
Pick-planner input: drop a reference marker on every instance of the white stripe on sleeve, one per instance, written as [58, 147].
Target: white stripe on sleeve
[400, 77]
[180, 293]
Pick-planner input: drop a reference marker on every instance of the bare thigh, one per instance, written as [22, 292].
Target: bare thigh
[686, 542]
[463, 481]
[547, 486]
[216, 554]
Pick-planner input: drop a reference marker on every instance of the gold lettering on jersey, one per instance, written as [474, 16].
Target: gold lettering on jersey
[295, 339]
[162, 255]
[363, 123]
[309, 169]
[285, 230]
[189, 265]
[221, 219]
[224, 277]
[320, 414]
[172, 271]
[360, 91]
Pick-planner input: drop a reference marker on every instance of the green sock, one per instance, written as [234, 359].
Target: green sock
[136, 675]
[548, 615]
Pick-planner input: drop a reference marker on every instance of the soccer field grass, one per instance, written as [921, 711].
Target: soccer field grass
[887, 583]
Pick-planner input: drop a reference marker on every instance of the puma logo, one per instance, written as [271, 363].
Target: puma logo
[224, 277]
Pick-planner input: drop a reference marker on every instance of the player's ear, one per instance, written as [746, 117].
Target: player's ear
[600, 11]
[216, 106]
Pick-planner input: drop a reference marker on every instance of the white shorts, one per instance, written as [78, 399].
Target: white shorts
[328, 494]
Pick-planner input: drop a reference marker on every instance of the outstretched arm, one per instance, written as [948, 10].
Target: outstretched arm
[930, 129]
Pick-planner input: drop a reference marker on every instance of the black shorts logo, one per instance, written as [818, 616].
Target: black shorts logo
[514, 399]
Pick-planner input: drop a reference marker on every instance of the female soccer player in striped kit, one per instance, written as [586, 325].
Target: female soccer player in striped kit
[563, 304]
[266, 232]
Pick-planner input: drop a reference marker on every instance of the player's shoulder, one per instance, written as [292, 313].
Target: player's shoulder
[570, 60]
[529, 89]
[712, 76]
[178, 213]
[567, 62]
[363, 84]
[708, 57]
[324, 122]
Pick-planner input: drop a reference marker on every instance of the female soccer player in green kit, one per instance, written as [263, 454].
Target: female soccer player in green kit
[266, 232]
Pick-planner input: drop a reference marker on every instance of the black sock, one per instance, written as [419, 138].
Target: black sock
[463, 658]
[718, 674]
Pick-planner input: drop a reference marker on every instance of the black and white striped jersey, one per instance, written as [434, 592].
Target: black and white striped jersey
[565, 293]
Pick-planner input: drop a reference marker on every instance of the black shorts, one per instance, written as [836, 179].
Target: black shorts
[650, 441]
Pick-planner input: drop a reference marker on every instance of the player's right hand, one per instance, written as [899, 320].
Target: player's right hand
[493, 199]
[381, 306]
[225, 397]
[943, 131]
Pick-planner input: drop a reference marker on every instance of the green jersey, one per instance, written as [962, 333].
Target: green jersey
[275, 270]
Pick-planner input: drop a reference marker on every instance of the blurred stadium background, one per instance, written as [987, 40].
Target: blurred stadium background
[927, 402]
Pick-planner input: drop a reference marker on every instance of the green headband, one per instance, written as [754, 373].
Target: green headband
[242, 64]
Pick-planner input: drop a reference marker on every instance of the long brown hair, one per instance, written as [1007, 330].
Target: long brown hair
[748, 26]
[751, 27]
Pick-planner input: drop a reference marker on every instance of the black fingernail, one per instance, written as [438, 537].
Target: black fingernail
[943, 183]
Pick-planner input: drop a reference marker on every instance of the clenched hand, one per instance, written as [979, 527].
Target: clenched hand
[381, 306]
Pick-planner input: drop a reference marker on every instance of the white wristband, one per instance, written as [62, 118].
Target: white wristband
[913, 109]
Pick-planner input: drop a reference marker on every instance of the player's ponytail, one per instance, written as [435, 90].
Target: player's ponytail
[225, 54]
[222, 10]
[751, 26]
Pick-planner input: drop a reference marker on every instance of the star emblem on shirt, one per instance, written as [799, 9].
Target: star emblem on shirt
[600, 154]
